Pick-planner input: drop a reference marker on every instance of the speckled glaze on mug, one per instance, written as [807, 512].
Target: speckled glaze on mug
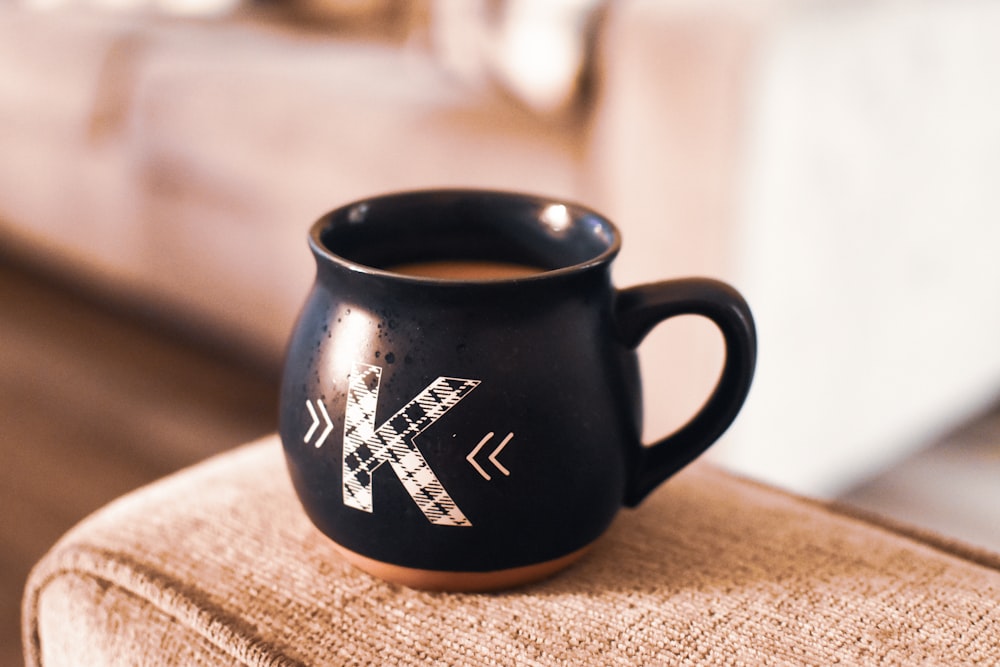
[481, 431]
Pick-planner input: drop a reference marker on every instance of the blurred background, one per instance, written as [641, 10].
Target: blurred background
[161, 161]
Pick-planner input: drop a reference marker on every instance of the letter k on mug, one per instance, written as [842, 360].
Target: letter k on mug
[461, 395]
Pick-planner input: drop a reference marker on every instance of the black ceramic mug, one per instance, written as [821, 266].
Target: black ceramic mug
[460, 406]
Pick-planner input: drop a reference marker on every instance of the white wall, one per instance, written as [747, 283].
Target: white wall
[868, 236]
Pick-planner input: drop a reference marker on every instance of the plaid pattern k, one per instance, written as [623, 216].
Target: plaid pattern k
[366, 447]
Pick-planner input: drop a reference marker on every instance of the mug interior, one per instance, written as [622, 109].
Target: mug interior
[465, 226]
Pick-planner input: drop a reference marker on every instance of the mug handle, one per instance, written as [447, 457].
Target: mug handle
[638, 310]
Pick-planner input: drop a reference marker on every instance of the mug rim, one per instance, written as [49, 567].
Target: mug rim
[558, 208]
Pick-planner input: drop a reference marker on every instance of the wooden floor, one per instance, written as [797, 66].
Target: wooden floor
[93, 405]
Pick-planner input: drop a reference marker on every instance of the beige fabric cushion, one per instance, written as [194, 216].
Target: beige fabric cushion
[219, 565]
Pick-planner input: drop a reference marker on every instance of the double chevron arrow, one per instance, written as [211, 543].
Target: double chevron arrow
[316, 422]
[471, 458]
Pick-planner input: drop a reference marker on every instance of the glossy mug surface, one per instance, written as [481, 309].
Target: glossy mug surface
[460, 405]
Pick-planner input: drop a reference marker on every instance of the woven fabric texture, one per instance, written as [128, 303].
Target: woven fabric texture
[219, 565]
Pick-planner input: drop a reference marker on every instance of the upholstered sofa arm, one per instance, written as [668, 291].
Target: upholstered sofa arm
[219, 565]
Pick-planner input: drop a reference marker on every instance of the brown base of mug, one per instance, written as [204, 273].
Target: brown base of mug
[460, 582]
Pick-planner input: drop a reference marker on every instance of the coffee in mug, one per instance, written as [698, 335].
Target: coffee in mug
[465, 270]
